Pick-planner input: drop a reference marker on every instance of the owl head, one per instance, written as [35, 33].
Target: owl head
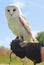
[12, 10]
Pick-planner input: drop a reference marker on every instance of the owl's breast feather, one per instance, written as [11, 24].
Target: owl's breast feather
[16, 27]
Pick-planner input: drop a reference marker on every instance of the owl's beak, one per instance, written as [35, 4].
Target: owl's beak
[11, 14]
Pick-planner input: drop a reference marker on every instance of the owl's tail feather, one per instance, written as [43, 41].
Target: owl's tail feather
[35, 40]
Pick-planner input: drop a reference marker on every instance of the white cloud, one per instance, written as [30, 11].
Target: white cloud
[20, 3]
[35, 33]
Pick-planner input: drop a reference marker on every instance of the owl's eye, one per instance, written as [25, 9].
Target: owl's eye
[8, 10]
[14, 10]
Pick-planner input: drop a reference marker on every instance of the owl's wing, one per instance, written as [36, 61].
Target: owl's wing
[27, 27]
[25, 24]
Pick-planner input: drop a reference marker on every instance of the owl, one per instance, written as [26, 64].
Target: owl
[18, 23]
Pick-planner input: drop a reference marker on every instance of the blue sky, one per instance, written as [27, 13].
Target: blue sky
[33, 10]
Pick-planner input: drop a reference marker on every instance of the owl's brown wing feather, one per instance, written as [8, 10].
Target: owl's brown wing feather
[25, 24]
[27, 27]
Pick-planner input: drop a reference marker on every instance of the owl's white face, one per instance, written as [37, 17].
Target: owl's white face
[12, 11]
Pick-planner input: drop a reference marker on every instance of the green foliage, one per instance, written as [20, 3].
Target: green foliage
[40, 37]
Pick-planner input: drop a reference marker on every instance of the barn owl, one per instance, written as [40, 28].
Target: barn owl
[18, 23]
